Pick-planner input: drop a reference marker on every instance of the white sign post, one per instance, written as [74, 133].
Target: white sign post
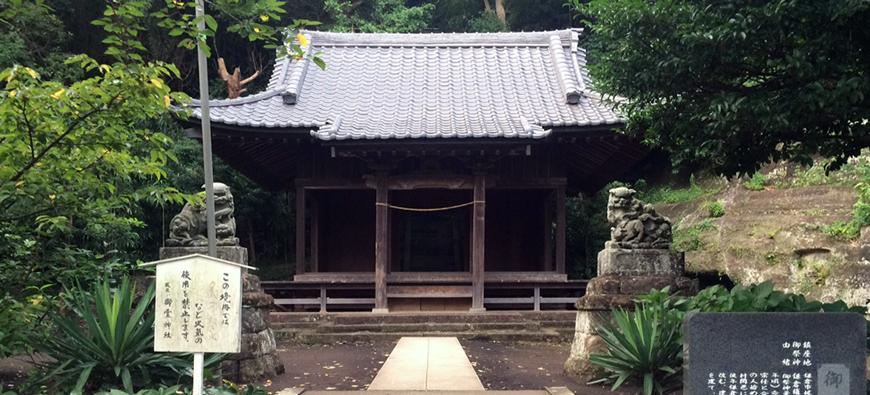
[198, 308]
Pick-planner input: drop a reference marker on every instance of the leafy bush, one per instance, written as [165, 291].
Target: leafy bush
[715, 209]
[158, 391]
[107, 342]
[642, 345]
[19, 321]
[851, 229]
[755, 183]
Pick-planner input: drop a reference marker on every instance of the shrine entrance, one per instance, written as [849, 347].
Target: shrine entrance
[430, 231]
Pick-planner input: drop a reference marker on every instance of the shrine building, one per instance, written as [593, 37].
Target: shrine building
[430, 170]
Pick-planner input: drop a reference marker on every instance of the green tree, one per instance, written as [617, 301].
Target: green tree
[734, 84]
[390, 16]
[79, 156]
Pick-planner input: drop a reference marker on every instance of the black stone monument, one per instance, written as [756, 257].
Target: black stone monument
[775, 353]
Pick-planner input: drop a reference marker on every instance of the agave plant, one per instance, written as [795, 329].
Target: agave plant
[642, 346]
[106, 342]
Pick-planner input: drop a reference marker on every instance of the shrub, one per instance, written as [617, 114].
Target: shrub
[642, 346]
[755, 183]
[19, 322]
[851, 229]
[107, 342]
[715, 209]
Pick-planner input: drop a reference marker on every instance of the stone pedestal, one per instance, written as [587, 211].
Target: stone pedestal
[258, 358]
[624, 274]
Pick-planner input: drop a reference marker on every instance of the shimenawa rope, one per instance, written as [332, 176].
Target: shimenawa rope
[429, 209]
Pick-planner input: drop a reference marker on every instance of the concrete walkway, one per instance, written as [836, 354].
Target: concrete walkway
[427, 364]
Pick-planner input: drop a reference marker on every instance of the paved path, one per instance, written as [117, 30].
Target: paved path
[427, 364]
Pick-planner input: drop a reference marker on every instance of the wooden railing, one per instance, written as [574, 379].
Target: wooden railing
[355, 291]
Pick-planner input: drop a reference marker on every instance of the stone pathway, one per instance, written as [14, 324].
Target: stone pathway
[427, 364]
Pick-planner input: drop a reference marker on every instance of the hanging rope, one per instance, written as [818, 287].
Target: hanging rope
[427, 210]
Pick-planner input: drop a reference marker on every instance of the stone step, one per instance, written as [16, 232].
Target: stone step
[411, 318]
[546, 335]
[431, 327]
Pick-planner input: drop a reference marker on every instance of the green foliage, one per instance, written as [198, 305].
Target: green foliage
[390, 16]
[755, 183]
[642, 345]
[669, 194]
[855, 170]
[487, 22]
[851, 229]
[107, 342]
[587, 230]
[20, 319]
[72, 161]
[733, 85]
[155, 391]
[33, 35]
[688, 238]
[715, 209]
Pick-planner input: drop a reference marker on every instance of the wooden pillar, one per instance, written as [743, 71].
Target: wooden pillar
[478, 238]
[548, 231]
[382, 247]
[560, 229]
[315, 234]
[300, 230]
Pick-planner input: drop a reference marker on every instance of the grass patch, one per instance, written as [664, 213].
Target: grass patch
[715, 209]
[854, 170]
[755, 183]
[669, 194]
[689, 238]
[851, 229]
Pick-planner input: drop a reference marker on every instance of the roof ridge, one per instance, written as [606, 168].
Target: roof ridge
[564, 72]
[538, 38]
[293, 86]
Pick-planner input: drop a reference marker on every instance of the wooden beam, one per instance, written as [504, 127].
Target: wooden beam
[561, 232]
[477, 245]
[382, 247]
[300, 231]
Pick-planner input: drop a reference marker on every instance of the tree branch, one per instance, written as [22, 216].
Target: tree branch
[57, 140]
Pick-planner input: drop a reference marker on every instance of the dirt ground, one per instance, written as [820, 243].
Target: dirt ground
[500, 365]
[353, 365]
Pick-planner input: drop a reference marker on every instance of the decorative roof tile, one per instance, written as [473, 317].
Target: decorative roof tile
[420, 86]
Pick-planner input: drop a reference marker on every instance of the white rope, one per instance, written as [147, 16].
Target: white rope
[426, 210]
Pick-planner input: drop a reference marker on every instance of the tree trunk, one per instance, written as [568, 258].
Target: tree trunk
[500, 11]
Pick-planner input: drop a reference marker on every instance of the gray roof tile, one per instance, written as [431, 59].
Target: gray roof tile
[456, 85]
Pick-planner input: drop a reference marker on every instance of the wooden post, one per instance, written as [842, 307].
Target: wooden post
[323, 299]
[560, 229]
[315, 234]
[300, 230]
[548, 231]
[477, 245]
[382, 247]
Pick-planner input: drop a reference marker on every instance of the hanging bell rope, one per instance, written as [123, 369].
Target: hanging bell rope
[429, 210]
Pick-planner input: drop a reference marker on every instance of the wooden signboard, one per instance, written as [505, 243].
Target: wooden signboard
[198, 305]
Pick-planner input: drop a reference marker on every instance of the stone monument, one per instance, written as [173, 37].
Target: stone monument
[187, 235]
[637, 259]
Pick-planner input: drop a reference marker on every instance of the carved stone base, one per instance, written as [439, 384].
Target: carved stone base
[258, 358]
[640, 262]
[603, 294]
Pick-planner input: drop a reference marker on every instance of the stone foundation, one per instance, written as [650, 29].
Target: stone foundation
[258, 358]
[620, 282]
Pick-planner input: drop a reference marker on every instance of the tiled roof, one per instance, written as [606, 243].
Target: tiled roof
[405, 86]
